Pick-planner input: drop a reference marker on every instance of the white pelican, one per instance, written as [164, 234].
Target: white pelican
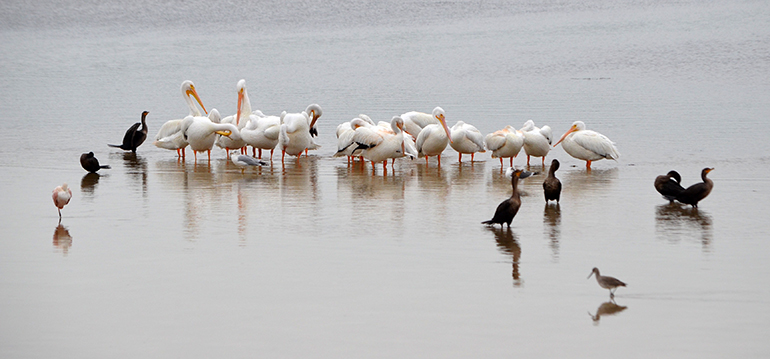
[244, 161]
[134, 136]
[261, 133]
[415, 121]
[537, 141]
[239, 119]
[505, 143]
[61, 196]
[345, 132]
[466, 138]
[295, 134]
[201, 132]
[433, 139]
[587, 145]
[381, 143]
[170, 134]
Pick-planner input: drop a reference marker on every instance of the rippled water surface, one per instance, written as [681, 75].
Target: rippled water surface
[161, 257]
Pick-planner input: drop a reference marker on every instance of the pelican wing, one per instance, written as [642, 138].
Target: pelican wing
[597, 143]
[367, 137]
[169, 128]
[495, 140]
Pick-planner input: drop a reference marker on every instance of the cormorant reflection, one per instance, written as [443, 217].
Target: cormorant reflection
[88, 183]
[507, 243]
[674, 222]
[552, 226]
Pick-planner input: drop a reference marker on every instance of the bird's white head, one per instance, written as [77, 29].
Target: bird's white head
[438, 114]
[188, 89]
[576, 126]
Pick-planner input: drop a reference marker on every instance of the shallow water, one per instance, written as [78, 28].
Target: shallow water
[160, 257]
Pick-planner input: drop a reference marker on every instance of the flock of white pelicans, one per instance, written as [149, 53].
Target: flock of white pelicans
[412, 134]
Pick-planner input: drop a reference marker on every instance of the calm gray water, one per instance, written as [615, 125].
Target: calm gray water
[165, 258]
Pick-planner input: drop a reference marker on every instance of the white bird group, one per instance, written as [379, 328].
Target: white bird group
[292, 132]
[412, 134]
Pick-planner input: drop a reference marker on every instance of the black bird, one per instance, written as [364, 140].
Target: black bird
[134, 135]
[90, 163]
[552, 185]
[669, 185]
[507, 209]
[695, 193]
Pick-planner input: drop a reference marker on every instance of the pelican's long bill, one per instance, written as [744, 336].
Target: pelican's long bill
[224, 132]
[440, 118]
[571, 129]
[194, 94]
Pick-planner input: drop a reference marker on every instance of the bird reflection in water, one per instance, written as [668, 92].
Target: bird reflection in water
[507, 243]
[62, 238]
[552, 226]
[88, 183]
[606, 308]
[137, 168]
[674, 222]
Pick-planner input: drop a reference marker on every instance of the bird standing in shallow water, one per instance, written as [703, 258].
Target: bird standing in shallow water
[669, 185]
[134, 136]
[552, 185]
[90, 163]
[244, 161]
[606, 282]
[61, 196]
[507, 209]
[695, 193]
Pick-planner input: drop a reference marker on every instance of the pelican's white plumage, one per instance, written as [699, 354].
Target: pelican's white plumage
[262, 132]
[434, 138]
[466, 138]
[537, 141]
[170, 134]
[505, 143]
[415, 121]
[295, 134]
[381, 143]
[587, 145]
[201, 132]
[345, 132]
[241, 117]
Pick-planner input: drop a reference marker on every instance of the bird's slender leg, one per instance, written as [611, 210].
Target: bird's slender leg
[426, 160]
[501, 162]
[439, 159]
[183, 152]
[283, 154]
[271, 153]
[527, 160]
[588, 164]
[472, 154]
[460, 157]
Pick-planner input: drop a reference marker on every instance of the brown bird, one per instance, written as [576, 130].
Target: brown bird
[695, 193]
[507, 209]
[134, 135]
[552, 185]
[90, 163]
[607, 282]
[669, 185]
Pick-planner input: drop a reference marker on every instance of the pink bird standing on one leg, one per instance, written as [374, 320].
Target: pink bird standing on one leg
[61, 196]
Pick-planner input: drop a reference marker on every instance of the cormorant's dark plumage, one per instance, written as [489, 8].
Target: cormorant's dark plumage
[90, 163]
[669, 185]
[134, 135]
[507, 209]
[695, 193]
[552, 185]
